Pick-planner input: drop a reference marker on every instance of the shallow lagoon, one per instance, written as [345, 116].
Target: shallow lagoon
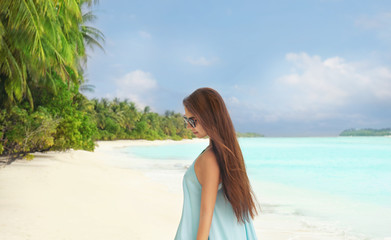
[333, 184]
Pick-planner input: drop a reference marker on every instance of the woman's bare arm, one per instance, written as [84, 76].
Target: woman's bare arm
[208, 174]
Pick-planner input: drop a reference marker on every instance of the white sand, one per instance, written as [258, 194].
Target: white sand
[76, 195]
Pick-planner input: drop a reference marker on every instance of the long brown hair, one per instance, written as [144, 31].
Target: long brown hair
[210, 111]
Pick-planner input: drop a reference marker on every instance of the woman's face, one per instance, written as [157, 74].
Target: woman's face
[198, 130]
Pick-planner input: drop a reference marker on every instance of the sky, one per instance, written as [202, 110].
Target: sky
[284, 68]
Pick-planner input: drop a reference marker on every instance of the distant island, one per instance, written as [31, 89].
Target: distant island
[366, 132]
[249, 135]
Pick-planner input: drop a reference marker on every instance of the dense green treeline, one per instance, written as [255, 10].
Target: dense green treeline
[55, 123]
[366, 132]
[67, 119]
[121, 120]
[42, 53]
[249, 135]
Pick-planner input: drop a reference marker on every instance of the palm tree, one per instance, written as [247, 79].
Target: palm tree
[92, 36]
[33, 44]
[41, 41]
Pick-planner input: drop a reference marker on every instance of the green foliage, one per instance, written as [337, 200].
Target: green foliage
[29, 157]
[42, 48]
[2, 119]
[76, 129]
[249, 135]
[24, 132]
[40, 40]
[366, 132]
[57, 123]
[121, 120]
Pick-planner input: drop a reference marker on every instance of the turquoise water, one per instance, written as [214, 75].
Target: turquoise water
[358, 168]
[352, 175]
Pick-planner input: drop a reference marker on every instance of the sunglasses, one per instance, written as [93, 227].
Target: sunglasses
[190, 121]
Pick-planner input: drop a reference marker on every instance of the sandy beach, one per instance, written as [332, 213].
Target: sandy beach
[74, 195]
[77, 195]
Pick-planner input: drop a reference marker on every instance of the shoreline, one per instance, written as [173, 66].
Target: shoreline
[83, 195]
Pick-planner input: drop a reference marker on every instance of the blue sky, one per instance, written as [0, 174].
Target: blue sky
[284, 68]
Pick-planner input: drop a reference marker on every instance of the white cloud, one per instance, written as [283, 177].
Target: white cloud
[322, 89]
[334, 81]
[144, 34]
[202, 61]
[329, 84]
[137, 86]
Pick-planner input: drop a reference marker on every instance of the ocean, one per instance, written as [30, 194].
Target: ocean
[332, 184]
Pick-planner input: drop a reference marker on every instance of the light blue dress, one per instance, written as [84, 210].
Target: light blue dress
[224, 222]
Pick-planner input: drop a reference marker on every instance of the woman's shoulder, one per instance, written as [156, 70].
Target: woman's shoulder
[207, 166]
[209, 153]
[208, 157]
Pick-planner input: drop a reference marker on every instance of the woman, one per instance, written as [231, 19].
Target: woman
[218, 202]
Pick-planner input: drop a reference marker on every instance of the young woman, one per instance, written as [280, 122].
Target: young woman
[218, 202]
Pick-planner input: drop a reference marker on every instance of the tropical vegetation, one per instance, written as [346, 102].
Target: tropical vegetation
[366, 132]
[249, 135]
[42, 55]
